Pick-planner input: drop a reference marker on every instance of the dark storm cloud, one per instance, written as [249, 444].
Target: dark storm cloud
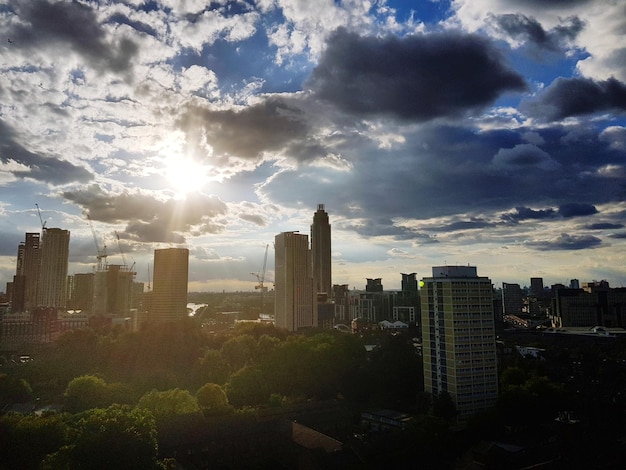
[416, 78]
[246, 133]
[568, 97]
[575, 209]
[522, 27]
[74, 25]
[150, 219]
[567, 242]
[47, 169]
[603, 226]
[526, 213]
[619, 236]
[473, 224]
[384, 227]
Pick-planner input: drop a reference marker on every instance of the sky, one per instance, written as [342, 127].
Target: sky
[482, 132]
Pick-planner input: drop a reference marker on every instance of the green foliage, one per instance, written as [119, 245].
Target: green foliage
[86, 392]
[26, 440]
[239, 351]
[115, 437]
[168, 403]
[212, 368]
[247, 387]
[212, 399]
[526, 398]
[14, 389]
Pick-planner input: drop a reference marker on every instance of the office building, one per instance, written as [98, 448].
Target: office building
[536, 286]
[295, 294]
[321, 251]
[113, 291]
[459, 347]
[512, 299]
[169, 288]
[80, 292]
[55, 246]
[26, 280]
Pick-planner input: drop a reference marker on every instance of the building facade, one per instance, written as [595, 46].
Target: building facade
[458, 331]
[55, 251]
[321, 251]
[512, 299]
[295, 304]
[169, 288]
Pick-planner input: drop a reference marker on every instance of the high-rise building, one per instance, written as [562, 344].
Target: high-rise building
[536, 286]
[459, 347]
[80, 292]
[113, 291]
[55, 250]
[294, 287]
[512, 299]
[321, 251]
[169, 288]
[26, 280]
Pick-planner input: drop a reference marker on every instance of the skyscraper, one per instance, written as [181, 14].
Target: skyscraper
[169, 288]
[321, 251]
[55, 250]
[26, 280]
[459, 338]
[295, 296]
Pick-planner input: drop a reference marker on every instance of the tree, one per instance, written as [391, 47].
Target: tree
[14, 390]
[239, 351]
[247, 387]
[168, 403]
[213, 368]
[212, 399]
[115, 437]
[25, 440]
[85, 392]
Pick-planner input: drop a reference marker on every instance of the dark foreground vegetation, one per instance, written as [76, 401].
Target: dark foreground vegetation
[178, 396]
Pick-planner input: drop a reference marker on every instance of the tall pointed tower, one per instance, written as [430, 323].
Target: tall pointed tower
[320, 251]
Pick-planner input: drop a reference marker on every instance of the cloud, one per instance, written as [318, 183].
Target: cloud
[526, 213]
[524, 28]
[415, 78]
[47, 169]
[473, 224]
[150, 219]
[574, 209]
[603, 226]
[570, 97]
[46, 24]
[271, 125]
[524, 156]
[567, 242]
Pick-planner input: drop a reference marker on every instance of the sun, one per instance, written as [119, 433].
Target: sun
[185, 175]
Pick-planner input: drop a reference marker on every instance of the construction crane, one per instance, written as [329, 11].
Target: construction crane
[102, 253]
[43, 222]
[119, 246]
[261, 275]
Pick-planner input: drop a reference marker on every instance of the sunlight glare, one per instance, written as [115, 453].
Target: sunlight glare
[185, 175]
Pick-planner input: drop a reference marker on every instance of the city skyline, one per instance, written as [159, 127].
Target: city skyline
[492, 134]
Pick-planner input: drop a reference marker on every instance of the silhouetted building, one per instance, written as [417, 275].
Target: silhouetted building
[594, 305]
[55, 246]
[374, 285]
[321, 251]
[458, 331]
[169, 291]
[26, 280]
[512, 299]
[536, 286]
[80, 292]
[294, 287]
